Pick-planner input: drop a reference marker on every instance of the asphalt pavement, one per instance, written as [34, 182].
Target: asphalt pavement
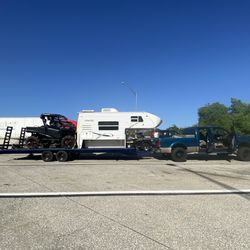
[124, 222]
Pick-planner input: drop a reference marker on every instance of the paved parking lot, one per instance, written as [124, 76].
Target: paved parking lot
[124, 222]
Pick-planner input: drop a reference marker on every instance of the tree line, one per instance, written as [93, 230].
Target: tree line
[236, 116]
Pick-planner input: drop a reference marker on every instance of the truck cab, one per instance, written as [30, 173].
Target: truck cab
[214, 139]
[205, 140]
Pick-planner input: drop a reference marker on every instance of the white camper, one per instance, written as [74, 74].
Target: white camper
[107, 129]
[17, 123]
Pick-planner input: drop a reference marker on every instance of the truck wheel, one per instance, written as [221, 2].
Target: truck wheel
[68, 141]
[179, 154]
[47, 156]
[32, 142]
[62, 156]
[243, 154]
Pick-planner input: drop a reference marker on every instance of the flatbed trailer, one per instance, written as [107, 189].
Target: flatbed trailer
[59, 154]
[64, 154]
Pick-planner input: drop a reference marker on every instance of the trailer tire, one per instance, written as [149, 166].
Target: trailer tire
[243, 153]
[62, 156]
[68, 141]
[47, 156]
[32, 142]
[179, 154]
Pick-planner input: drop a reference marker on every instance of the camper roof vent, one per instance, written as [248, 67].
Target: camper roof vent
[88, 111]
[109, 110]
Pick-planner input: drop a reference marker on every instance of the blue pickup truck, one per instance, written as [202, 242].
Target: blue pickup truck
[209, 140]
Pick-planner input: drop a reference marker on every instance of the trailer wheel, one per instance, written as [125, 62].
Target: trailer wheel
[179, 154]
[62, 156]
[47, 156]
[68, 141]
[32, 142]
[243, 154]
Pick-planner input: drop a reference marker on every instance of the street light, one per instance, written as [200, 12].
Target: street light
[133, 92]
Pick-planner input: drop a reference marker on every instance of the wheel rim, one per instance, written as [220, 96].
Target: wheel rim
[68, 143]
[61, 156]
[47, 156]
[180, 154]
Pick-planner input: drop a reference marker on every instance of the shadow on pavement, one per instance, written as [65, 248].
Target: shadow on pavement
[198, 157]
[107, 156]
[29, 157]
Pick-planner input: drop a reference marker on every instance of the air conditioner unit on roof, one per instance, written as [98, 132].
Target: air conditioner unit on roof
[109, 110]
[88, 111]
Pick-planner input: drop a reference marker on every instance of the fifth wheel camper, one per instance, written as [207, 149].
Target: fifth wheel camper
[108, 128]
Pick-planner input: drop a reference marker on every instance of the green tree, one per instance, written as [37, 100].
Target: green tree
[174, 129]
[215, 114]
[240, 114]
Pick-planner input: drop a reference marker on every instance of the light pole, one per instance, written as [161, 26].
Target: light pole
[133, 92]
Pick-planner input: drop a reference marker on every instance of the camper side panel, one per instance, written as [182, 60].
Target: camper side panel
[97, 130]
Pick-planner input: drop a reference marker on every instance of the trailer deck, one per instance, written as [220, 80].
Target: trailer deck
[64, 154]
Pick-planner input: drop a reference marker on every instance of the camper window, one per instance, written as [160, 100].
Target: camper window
[110, 125]
[136, 119]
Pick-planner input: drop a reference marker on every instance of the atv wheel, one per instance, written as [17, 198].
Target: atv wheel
[32, 142]
[68, 141]
[244, 154]
[179, 154]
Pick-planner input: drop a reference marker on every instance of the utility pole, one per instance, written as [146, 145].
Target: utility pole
[133, 92]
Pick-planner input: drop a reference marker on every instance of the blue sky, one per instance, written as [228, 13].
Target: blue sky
[65, 56]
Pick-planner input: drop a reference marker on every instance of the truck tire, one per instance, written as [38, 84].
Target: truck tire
[179, 154]
[243, 154]
[47, 156]
[62, 156]
[68, 141]
[32, 142]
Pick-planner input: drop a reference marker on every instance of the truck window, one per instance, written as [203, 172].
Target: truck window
[203, 134]
[189, 131]
[220, 133]
[108, 125]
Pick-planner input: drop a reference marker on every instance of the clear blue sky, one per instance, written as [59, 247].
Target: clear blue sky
[65, 56]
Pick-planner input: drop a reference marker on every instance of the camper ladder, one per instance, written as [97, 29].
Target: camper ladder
[22, 137]
[7, 137]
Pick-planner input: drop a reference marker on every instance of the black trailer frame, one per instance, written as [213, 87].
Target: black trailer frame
[64, 154]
